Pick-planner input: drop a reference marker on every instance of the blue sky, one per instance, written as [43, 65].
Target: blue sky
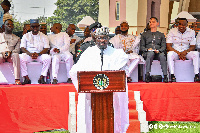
[27, 9]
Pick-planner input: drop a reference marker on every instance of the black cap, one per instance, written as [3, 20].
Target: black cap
[95, 25]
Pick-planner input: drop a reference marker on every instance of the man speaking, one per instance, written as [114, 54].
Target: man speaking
[91, 60]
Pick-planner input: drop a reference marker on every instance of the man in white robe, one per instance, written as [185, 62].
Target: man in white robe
[59, 43]
[90, 60]
[34, 46]
[130, 45]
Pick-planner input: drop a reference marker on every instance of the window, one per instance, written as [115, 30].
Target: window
[117, 10]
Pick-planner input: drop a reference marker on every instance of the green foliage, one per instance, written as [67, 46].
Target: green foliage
[72, 11]
[18, 26]
[68, 11]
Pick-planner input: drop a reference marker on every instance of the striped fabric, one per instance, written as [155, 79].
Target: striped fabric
[6, 16]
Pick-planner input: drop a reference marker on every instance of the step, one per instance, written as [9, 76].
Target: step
[133, 114]
[132, 104]
[131, 95]
[134, 126]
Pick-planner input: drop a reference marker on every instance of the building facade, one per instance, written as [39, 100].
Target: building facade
[138, 12]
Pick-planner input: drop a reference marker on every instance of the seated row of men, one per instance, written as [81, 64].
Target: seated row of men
[35, 45]
[180, 44]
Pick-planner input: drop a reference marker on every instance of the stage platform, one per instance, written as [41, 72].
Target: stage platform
[31, 108]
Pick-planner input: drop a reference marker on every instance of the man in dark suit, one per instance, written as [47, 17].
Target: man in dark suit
[153, 44]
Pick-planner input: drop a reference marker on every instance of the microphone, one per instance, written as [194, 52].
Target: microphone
[101, 57]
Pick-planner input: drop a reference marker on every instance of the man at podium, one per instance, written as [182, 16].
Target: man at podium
[90, 60]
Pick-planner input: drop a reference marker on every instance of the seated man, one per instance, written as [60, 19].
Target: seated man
[74, 39]
[10, 48]
[130, 45]
[4, 13]
[87, 37]
[43, 28]
[90, 60]
[181, 45]
[153, 44]
[90, 43]
[59, 43]
[34, 46]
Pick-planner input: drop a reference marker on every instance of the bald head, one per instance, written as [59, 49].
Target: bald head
[71, 29]
[56, 28]
[58, 25]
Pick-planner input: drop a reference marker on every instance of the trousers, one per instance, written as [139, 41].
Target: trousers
[16, 63]
[45, 59]
[56, 58]
[161, 57]
[192, 55]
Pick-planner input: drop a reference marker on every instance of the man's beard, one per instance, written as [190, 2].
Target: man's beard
[124, 31]
[102, 46]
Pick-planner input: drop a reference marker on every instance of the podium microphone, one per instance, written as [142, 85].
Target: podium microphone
[101, 57]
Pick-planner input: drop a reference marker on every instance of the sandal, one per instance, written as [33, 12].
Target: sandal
[17, 82]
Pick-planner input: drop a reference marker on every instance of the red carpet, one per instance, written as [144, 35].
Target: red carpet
[169, 101]
[134, 126]
[30, 108]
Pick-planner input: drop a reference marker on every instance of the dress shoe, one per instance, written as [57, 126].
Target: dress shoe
[69, 80]
[41, 81]
[147, 78]
[26, 81]
[173, 79]
[55, 81]
[196, 78]
[129, 80]
[165, 79]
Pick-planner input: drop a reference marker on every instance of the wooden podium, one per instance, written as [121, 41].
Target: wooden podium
[102, 84]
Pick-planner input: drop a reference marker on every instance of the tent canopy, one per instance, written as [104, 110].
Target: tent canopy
[186, 15]
[86, 21]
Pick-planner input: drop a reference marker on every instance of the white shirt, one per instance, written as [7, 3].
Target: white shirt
[181, 42]
[60, 41]
[127, 43]
[34, 43]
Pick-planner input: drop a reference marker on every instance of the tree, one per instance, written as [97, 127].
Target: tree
[72, 11]
[18, 26]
